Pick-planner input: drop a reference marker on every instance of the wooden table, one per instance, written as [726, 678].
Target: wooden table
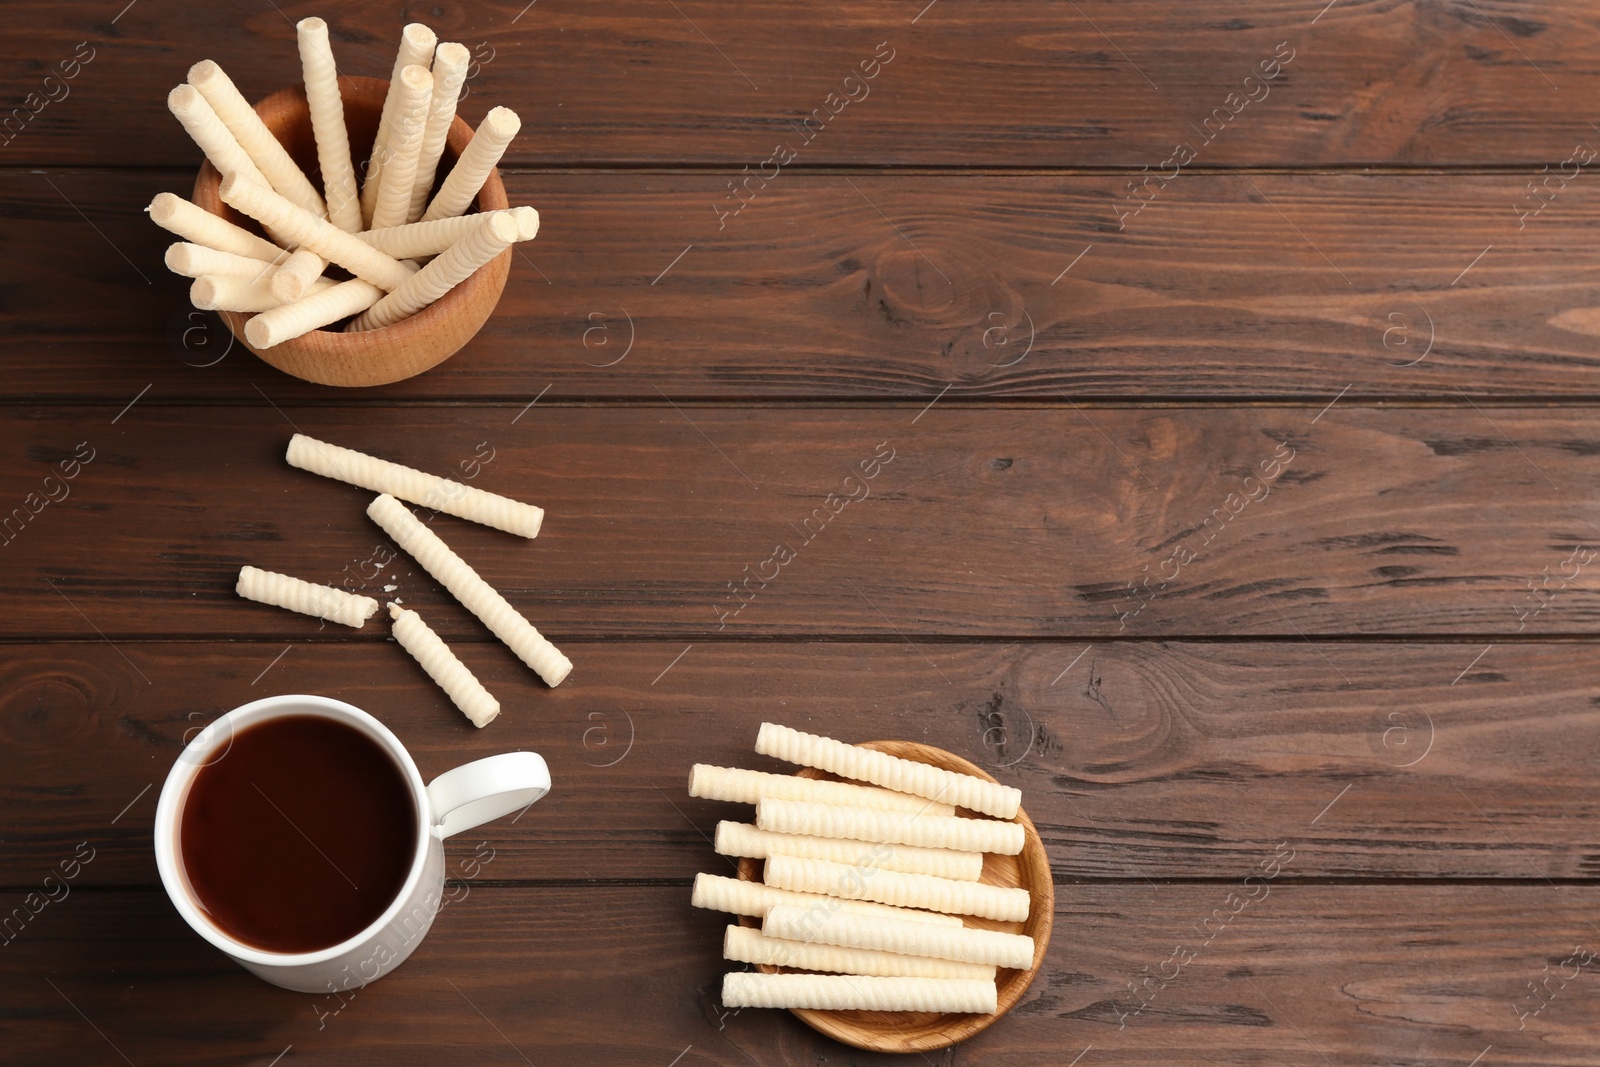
[1238, 370]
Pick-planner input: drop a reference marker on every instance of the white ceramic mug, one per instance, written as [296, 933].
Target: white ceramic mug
[457, 800]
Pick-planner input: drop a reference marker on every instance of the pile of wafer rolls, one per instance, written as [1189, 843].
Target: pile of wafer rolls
[865, 882]
[394, 483]
[373, 253]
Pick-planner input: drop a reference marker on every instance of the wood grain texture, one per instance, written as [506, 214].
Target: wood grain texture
[1222, 286]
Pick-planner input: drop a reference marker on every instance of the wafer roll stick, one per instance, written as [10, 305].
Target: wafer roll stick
[211, 134]
[1013, 951]
[272, 160]
[417, 240]
[458, 262]
[899, 828]
[716, 893]
[458, 683]
[857, 882]
[326, 303]
[527, 223]
[417, 43]
[450, 62]
[740, 786]
[475, 594]
[488, 144]
[742, 839]
[320, 601]
[193, 260]
[327, 124]
[746, 945]
[193, 223]
[407, 126]
[294, 278]
[843, 992]
[319, 235]
[224, 292]
[407, 483]
[891, 772]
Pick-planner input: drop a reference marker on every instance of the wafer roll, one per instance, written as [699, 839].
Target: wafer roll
[1013, 951]
[417, 43]
[742, 839]
[211, 134]
[466, 178]
[294, 278]
[320, 601]
[900, 828]
[417, 240]
[716, 893]
[743, 944]
[857, 882]
[740, 786]
[407, 483]
[450, 62]
[406, 129]
[458, 683]
[193, 260]
[327, 124]
[843, 992]
[493, 236]
[475, 594]
[319, 235]
[272, 160]
[891, 772]
[527, 223]
[193, 223]
[326, 303]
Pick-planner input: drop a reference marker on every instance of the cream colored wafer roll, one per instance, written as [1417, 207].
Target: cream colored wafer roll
[294, 278]
[466, 178]
[494, 235]
[739, 897]
[327, 124]
[844, 992]
[737, 785]
[320, 601]
[272, 160]
[742, 839]
[417, 43]
[458, 683]
[407, 483]
[527, 222]
[328, 302]
[226, 292]
[475, 594]
[407, 126]
[194, 223]
[193, 260]
[891, 772]
[450, 63]
[211, 134]
[965, 945]
[855, 882]
[319, 235]
[744, 944]
[416, 240]
[899, 828]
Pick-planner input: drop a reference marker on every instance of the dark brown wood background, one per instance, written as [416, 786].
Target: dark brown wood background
[1388, 663]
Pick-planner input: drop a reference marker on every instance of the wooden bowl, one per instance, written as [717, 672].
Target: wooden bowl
[921, 1031]
[392, 353]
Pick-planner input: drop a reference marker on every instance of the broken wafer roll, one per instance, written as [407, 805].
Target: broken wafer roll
[450, 63]
[742, 839]
[294, 278]
[417, 43]
[472, 169]
[326, 303]
[843, 992]
[194, 260]
[319, 601]
[717, 893]
[418, 487]
[418, 240]
[327, 124]
[409, 123]
[319, 235]
[475, 594]
[194, 223]
[740, 786]
[435, 657]
[891, 772]
[899, 828]
[272, 160]
[743, 944]
[850, 930]
[494, 235]
[857, 882]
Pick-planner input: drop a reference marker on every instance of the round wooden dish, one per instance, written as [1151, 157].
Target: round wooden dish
[410, 346]
[912, 1031]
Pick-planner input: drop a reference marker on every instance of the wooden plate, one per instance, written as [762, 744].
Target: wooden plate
[922, 1031]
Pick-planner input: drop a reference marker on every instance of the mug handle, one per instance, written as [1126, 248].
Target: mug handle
[485, 789]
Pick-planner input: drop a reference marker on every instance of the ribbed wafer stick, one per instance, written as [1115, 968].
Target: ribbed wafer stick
[1014, 951]
[294, 278]
[742, 839]
[527, 222]
[326, 303]
[320, 601]
[413, 91]
[855, 882]
[740, 786]
[900, 828]
[319, 235]
[193, 223]
[327, 124]
[419, 487]
[435, 657]
[417, 43]
[891, 772]
[193, 260]
[450, 63]
[265, 151]
[458, 262]
[839, 992]
[475, 594]
[488, 144]
[230, 292]
[416, 240]
[716, 893]
[745, 944]
[208, 131]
